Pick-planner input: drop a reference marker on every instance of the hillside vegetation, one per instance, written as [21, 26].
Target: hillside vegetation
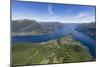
[62, 50]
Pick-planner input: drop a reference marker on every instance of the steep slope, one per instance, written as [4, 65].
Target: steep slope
[88, 28]
[25, 25]
[32, 27]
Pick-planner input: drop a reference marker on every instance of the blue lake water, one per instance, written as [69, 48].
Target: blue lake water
[70, 28]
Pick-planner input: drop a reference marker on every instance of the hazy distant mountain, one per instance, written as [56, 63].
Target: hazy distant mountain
[32, 27]
[52, 25]
[22, 25]
[88, 28]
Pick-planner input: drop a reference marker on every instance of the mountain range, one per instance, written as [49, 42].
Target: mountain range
[32, 27]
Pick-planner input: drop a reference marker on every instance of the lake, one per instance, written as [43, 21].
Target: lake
[68, 28]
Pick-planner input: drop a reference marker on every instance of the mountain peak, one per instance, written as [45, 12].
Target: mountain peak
[25, 20]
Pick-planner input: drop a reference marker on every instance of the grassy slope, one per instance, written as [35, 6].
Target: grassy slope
[62, 50]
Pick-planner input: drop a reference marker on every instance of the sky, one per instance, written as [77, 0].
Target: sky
[47, 12]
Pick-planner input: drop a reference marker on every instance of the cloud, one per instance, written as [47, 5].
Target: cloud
[81, 15]
[50, 9]
[90, 18]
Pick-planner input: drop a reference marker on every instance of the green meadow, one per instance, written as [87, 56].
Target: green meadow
[63, 50]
